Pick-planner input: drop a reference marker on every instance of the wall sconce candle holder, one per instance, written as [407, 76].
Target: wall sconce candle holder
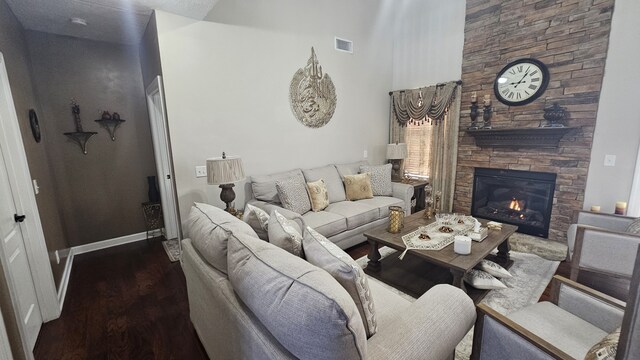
[111, 123]
[555, 116]
[486, 116]
[79, 136]
[473, 114]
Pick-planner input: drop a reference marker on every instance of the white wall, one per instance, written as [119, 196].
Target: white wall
[428, 41]
[227, 89]
[618, 126]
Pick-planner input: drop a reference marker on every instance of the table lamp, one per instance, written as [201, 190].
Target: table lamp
[224, 171]
[395, 154]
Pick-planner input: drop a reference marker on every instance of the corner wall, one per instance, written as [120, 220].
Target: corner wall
[227, 89]
[571, 37]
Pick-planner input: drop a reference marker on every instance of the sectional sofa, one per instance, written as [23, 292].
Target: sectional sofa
[343, 221]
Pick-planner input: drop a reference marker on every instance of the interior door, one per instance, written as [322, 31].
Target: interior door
[15, 263]
[162, 153]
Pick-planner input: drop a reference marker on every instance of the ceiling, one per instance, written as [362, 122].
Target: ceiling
[119, 21]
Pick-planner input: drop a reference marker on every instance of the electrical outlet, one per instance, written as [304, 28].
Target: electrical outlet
[201, 171]
[609, 160]
[365, 154]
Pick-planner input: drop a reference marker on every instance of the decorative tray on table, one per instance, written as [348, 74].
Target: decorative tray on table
[439, 234]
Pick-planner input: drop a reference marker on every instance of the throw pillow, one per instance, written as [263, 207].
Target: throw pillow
[482, 280]
[634, 227]
[293, 194]
[258, 219]
[285, 234]
[358, 186]
[606, 348]
[493, 269]
[380, 179]
[301, 305]
[318, 194]
[328, 256]
[209, 228]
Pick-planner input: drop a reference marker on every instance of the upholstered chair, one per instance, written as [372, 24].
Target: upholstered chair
[568, 327]
[608, 223]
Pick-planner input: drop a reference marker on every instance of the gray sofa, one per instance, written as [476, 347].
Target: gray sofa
[343, 222]
[249, 299]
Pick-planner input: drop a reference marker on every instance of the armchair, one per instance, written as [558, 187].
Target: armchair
[609, 222]
[565, 328]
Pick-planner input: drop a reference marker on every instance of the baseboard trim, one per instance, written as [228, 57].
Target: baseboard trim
[86, 248]
[64, 282]
[104, 244]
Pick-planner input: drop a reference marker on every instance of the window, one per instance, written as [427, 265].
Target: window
[418, 139]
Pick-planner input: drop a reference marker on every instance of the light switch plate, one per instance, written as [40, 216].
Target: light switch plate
[201, 171]
[609, 160]
[365, 154]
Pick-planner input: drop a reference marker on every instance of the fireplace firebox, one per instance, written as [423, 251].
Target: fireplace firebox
[521, 198]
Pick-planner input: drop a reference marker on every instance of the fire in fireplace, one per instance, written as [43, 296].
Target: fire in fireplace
[522, 198]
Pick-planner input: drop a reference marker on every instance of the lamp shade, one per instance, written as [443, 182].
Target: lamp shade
[224, 170]
[397, 151]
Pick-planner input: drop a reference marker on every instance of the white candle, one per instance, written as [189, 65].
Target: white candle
[621, 208]
[462, 245]
[487, 100]
[474, 97]
[595, 208]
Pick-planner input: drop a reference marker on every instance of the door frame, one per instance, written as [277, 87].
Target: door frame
[162, 146]
[25, 199]
[634, 196]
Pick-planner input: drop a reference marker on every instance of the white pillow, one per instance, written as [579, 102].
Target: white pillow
[493, 269]
[482, 280]
[285, 233]
[258, 219]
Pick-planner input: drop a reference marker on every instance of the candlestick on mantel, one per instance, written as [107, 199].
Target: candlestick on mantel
[595, 208]
[474, 97]
[487, 100]
[621, 208]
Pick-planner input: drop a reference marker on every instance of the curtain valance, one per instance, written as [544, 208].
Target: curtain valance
[420, 105]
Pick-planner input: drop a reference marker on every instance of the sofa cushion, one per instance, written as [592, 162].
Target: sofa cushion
[258, 219]
[358, 186]
[356, 213]
[264, 186]
[350, 168]
[285, 234]
[382, 203]
[318, 195]
[562, 329]
[209, 229]
[326, 223]
[328, 256]
[301, 305]
[380, 179]
[331, 178]
[293, 194]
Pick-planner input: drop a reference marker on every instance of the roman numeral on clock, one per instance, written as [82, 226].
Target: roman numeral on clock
[533, 72]
[532, 87]
[535, 79]
[510, 96]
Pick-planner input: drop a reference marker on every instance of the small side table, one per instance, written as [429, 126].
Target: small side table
[418, 193]
[153, 219]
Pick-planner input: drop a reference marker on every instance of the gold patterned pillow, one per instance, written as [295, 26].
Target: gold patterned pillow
[318, 195]
[358, 186]
[606, 348]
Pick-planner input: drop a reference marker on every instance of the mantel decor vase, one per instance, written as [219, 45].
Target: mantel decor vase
[154, 194]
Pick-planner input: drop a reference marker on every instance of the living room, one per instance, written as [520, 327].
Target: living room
[226, 75]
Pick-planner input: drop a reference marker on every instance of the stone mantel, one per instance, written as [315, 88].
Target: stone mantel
[520, 137]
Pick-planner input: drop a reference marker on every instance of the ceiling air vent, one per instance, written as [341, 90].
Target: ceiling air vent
[344, 45]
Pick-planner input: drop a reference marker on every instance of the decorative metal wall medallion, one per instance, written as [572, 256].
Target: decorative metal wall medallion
[312, 94]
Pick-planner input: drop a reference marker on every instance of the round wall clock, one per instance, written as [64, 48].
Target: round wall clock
[35, 125]
[521, 82]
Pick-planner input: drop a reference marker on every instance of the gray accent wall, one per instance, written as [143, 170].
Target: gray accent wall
[100, 194]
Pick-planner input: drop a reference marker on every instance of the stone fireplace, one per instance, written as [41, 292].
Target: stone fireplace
[521, 198]
[571, 38]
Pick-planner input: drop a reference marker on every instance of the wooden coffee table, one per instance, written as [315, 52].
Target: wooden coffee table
[389, 270]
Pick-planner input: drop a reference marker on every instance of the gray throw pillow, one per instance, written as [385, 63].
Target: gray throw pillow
[293, 194]
[209, 229]
[285, 233]
[634, 227]
[380, 179]
[328, 256]
[302, 306]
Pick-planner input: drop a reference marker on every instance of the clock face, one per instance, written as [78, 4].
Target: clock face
[521, 82]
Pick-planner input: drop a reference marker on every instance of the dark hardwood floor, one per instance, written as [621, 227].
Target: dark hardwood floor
[130, 302]
[127, 302]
